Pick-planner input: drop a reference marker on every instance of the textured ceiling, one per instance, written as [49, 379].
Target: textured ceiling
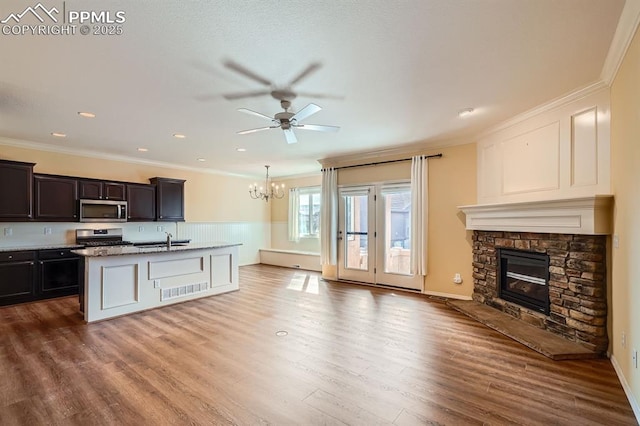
[393, 72]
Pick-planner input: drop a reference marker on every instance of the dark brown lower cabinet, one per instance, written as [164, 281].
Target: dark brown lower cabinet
[58, 273]
[17, 277]
[31, 275]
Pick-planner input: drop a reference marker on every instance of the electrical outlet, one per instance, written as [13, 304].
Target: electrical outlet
[160, 228]
[140, 228]
[156, 283]
[47, 230]
[616, 241]
[623, 340]
[457, 279]
[8, 232]
[634, 357]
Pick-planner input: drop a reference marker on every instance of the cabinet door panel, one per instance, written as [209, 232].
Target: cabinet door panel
[90, 189]
[56, 198]
[16, 282]
[141, 200]
[16, 183]
[170, 199]
[115, 191]
[59, 276]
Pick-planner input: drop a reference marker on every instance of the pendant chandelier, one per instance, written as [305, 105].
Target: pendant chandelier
[268, 191]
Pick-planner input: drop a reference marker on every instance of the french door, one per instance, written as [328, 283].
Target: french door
[374, 235]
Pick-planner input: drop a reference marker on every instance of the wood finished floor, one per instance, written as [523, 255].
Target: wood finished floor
[353, 355]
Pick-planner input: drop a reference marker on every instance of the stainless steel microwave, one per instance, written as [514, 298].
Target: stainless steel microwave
[103, 211]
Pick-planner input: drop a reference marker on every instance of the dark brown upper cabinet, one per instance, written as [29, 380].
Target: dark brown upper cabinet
[16, 191]
[100, 190]
[141, 201]
[56, 198]
[169, 199]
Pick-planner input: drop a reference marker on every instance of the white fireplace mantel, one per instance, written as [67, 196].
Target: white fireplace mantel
[584, 215]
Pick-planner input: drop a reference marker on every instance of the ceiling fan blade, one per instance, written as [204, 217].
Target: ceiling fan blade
[305, 112]
[320, 96]
[233, 96]
[247, 73]
[310, 69]
[290, 136]
[318, 127]
[248, 111]
[259, 129]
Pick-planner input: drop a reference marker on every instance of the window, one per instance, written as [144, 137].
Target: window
[309, 211]
[304, 212]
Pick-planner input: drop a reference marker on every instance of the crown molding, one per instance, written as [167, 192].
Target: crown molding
[102, 156]
[625, 31]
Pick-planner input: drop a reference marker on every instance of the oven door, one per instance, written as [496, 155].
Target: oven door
[103, 211]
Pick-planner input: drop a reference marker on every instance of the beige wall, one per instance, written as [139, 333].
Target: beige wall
[208, 197]
[452, 183]
[625, 162]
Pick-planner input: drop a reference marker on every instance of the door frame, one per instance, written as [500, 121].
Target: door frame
[374, 273]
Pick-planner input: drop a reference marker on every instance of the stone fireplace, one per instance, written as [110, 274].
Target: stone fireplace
[576, 285]
[550, 257]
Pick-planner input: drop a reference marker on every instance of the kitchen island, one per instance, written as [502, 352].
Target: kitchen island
[125, 279]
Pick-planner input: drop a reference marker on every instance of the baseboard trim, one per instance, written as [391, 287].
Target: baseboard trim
[627, 389]
[447, 295]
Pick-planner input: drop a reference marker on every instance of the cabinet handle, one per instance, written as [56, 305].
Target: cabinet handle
[61, 253]
[10, 257]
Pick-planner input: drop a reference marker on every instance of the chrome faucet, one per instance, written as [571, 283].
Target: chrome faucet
[169, 236]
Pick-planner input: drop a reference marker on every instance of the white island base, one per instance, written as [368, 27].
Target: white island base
[124, 280]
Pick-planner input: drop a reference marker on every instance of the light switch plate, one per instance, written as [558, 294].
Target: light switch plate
[8, 232]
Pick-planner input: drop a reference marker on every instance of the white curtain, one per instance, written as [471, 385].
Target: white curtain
[419, 214]
[294, 208]
[329, 217]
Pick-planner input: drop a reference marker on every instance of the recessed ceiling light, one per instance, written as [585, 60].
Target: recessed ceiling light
[143, 149]
[86, 114]
[179, 136]
[201, 159]
[59, 135]
[241, 149]
[465, 112]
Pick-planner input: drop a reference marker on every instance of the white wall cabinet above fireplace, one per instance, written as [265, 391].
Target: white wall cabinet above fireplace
[560, 150]
[585, 215]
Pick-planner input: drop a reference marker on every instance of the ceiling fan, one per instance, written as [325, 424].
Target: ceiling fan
[287, 121]
[277, 92]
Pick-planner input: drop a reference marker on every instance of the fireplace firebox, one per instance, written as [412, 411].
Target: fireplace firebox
[524, 279]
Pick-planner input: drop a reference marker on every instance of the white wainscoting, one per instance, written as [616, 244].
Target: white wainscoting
[252, 235]
[559, 153]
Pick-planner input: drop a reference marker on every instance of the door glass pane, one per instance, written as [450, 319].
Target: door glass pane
[356, 239]
[397, 225]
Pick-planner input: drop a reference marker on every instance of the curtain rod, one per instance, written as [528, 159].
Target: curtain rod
[384, 162]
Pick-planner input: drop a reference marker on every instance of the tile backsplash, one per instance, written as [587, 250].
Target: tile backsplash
[252, 235]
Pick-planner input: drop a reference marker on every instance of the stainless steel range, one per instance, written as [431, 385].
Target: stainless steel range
[101, 237]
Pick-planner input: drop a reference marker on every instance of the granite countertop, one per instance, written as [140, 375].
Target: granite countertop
[42, 247]
[128, 250]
